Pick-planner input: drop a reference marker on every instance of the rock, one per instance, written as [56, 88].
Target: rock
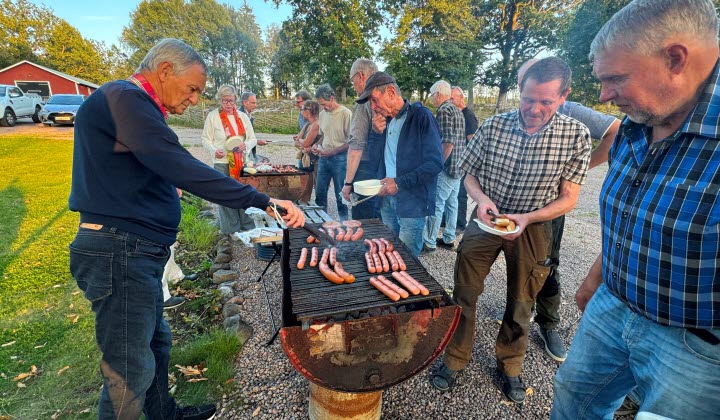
[223, 258]
[228, 284]
[206, 214]
[224, 242]
[224, 249]
[215, 267]
[236, 325]
[237, 300]
[221, 276]
[230, 310]
[226, 294]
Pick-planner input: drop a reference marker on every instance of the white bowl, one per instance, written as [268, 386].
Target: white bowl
[233, 142]
[368, 187]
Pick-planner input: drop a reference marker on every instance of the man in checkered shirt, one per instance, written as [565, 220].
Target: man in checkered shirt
[653, 323]
[527, 164]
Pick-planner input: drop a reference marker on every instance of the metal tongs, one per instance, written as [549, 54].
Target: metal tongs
[356, 201]
[313, 230]
[494, 216]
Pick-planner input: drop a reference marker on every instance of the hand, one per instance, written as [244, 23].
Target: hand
[262, 142]
[219, 154]
[584, 293]
[482, 211]
[314, 149]
[179, 192]
[325, 153]
[346, 192]
[521, 221]
[242, 147]
[389, 187]
[379, 122]
[294, 218]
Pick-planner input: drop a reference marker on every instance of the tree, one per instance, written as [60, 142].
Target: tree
[435, 40]
[23, 31]
[514, 31]
[68, 52]
[286, 66]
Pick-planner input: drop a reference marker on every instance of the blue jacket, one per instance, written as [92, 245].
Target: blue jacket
[419, 164]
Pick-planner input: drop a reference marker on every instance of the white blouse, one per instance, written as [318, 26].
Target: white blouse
[213, 135]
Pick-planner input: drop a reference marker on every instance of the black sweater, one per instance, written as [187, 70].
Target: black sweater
[127, 163]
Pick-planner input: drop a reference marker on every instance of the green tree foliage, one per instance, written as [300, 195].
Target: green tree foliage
[331, 34]
[23, 31]
[286, 66]
[68, 52]
[514, 31]
[435, 40]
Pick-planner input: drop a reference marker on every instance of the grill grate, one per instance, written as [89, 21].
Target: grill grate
[312, 296]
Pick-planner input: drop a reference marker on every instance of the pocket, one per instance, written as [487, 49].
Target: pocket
[92, 271]
[150, 249]
[701, 348]
[536, 280]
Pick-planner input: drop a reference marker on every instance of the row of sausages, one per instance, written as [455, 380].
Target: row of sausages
[382, 256]
[347, 234]
[336, 274]
[395, 292]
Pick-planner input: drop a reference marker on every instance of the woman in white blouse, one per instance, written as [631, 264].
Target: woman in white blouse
[220, 125]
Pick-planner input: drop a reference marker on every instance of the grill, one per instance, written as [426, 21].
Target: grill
[351, 337]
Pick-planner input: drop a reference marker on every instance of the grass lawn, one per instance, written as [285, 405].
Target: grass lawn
[48, 357]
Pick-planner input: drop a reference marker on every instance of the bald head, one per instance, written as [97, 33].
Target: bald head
[525, 66]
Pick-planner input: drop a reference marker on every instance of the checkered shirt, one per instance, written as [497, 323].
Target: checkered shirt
[661, 218]
[452, 130]
[520, 172]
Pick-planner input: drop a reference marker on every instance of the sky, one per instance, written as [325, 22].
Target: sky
[103, 20]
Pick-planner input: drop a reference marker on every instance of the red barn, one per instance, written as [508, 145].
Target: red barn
[34, 78]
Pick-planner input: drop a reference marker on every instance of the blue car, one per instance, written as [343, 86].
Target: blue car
[61, 109]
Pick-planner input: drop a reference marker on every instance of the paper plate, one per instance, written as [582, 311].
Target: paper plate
[492, 230]
[234, 141]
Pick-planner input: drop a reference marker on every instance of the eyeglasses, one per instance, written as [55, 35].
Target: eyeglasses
[299, 101]
[228, 101]
[352, 76]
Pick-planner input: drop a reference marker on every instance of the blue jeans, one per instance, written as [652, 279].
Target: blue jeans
[331, 169]
[676, 374]
[446, 197]
[121, 275]
[408, 229]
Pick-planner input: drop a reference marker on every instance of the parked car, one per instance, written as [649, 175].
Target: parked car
[61, 109]
[16, 104]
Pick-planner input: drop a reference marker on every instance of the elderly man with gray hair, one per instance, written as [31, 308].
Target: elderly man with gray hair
[126, 165]
[452, 132]
[334, 121]
[651, 301]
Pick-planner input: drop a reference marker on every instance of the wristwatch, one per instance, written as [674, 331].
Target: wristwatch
[348, 184]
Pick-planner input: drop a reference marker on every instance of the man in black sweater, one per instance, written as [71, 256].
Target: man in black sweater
[126, 165]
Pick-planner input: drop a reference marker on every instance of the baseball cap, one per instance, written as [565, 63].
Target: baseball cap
[378, 79]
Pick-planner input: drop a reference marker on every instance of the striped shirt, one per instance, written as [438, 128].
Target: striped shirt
[452, 131]
[661, 218]
[521, 172]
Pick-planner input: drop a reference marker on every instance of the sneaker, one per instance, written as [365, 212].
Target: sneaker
[173, 302]
[191, 277]
[202, 412]
[553, 344]
[427, 250]
[442, 244]
[513, 388]
[628, 408]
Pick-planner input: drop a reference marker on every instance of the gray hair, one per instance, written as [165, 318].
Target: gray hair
[245, 96]
[547, 70]
[367, 67]
[644, 25]
[383, 88]
[226, 90]
[325, 92]
[441, 87]
[304, 94]
[173, 51]
[462, 92]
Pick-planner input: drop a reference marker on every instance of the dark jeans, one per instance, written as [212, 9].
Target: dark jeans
[120, 273]
[549, 299]
[331, 169]
[462, 206]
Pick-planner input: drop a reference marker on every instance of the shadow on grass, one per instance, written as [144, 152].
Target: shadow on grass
[13, 209]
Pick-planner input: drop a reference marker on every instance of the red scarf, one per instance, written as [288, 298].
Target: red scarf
[229, 132]
[141, 82]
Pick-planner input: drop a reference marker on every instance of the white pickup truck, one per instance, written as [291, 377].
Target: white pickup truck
[16, 104]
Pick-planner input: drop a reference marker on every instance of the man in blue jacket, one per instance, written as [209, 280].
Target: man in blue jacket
[126, 165]
[412, 158]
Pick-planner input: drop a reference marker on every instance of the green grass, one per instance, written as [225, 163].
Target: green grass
[196, 233]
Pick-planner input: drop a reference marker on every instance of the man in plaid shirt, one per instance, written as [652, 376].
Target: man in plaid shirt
[653, 323]
[452, 130]
[527, 164]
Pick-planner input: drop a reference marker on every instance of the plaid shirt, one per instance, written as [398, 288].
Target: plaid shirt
[661, 219]
[452, 131]
[520, 172]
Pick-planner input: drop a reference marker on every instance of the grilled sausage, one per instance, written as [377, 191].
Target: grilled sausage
[314, 257]
[325, 256]
[384, 289]
[358, 234]
[352, 223]
[310, 239]
[371, 245]
[330, 274]
[347, 277]
[388, 245]
[399, 259]
[340, 235]
[333, 256]
[394, 287]
[370, 264]
[380, 246]
[410, 286]
[377, 262]
[393, 262]
[423, 290]
[385, 263]
[348, 234]
[303, 257]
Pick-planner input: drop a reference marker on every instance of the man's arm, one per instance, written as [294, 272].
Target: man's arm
[431, 163]
[600, 153]
[358, 138]
[474, 190]
[447, 149]
[589, 286]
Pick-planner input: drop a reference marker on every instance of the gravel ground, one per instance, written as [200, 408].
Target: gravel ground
[269, 387]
